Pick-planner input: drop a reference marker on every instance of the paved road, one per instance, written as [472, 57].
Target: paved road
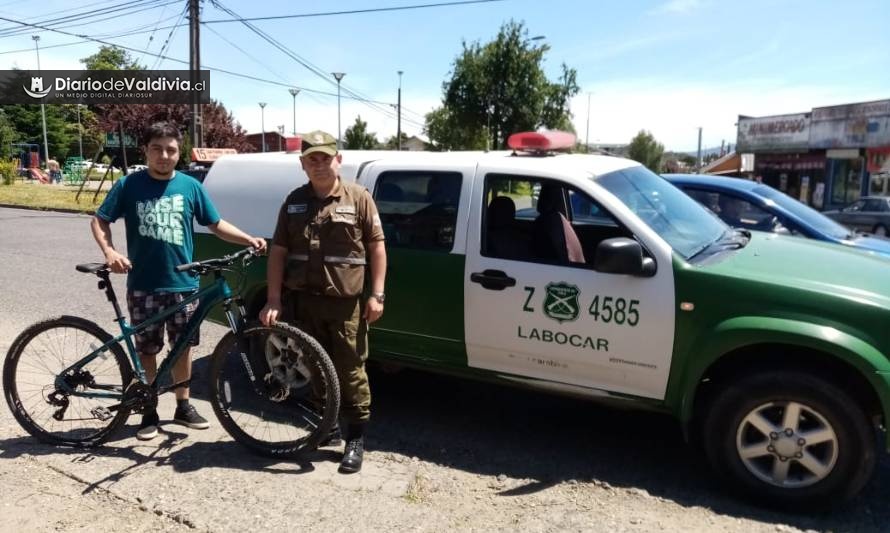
[444, 454]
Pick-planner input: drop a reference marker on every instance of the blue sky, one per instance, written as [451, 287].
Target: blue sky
[668, 66]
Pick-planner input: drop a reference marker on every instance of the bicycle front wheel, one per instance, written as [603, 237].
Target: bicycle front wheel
[56, 415]
[274, 389]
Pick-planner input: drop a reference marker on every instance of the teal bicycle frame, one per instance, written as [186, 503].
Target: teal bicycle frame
[214, 293]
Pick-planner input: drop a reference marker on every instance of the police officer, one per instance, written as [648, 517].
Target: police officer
[328, 234]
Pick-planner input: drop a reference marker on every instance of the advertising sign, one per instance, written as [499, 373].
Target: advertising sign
[775, 133]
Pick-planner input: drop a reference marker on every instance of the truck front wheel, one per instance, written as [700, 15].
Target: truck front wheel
[791, 440]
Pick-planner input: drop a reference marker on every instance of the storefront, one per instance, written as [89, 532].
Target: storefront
[878, 167]
[851, 135]
[782, 156]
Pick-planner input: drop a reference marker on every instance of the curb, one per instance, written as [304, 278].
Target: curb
[55, 209]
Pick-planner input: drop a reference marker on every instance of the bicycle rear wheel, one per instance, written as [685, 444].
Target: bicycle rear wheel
[274, 389]
[38, 355]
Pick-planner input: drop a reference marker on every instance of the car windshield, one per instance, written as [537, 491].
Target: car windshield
[678, 219]
[808, 215]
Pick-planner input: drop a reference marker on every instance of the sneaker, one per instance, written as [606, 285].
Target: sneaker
[148, 429]
[188, 416]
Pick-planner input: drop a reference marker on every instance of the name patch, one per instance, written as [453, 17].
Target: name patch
[345, 210]
[295, 209]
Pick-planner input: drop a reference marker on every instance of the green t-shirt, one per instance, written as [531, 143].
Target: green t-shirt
[158, 215]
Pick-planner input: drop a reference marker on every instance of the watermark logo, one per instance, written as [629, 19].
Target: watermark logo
[105, 86]
[36, 90]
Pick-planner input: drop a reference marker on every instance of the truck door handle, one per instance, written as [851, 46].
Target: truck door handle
[495, 280]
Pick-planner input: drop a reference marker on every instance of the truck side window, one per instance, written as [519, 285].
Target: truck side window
[543, 221]
[418, 209]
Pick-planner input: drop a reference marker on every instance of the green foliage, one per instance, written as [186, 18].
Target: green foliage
[8, 135]
[27, 121]
[498, 89]
[447, 132]
[111, 58]
[8, 171]
[357, 136]
[105, 159]
[646, 150]
[392, 143]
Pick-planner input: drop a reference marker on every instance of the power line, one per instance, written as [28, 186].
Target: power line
[166, 45]
[352, 12]
[207, 67]
[126, 8]
[306, 64]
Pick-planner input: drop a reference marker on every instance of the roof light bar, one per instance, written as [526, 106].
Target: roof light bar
[543, 141]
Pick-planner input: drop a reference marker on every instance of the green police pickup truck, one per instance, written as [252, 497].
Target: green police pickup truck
[591, 276]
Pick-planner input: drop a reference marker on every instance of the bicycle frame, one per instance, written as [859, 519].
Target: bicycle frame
[214, 293]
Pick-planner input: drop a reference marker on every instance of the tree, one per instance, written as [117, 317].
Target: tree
[8, 135]
[392, 143]
[220, 128]
[498, 89]
[357, 136]
[111, 58]
[646, 150]
[26, 120]
[444, 129]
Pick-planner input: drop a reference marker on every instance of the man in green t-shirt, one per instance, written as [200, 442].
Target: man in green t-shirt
[159, 206]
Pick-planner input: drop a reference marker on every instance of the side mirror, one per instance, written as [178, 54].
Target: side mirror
[621, 255]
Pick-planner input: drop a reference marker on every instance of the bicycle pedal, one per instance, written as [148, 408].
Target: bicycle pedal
[102, 413]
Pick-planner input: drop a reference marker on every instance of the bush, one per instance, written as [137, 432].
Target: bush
[8, 171]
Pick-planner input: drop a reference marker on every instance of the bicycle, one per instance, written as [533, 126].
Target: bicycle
[273, 388]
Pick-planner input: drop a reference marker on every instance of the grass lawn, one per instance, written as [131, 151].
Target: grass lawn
[50, 196]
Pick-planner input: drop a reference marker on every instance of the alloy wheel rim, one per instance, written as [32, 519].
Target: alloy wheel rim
[787, 444]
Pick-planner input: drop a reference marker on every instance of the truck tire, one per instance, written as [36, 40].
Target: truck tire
[790, 440]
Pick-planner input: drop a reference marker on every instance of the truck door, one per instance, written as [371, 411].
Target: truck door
[423, 210]
[535, 308]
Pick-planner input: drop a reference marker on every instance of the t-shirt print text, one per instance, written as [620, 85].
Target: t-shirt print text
[162, 218]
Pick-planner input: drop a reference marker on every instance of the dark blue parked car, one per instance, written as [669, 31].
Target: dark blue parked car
[747, 204]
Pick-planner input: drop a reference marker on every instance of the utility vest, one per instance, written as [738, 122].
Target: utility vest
[326, 250]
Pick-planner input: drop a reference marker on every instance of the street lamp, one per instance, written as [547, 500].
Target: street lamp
[263, 122]
[338, 76]
[280, 135]
[42, 105]
[587, 136]
[399, 114]
[294, 93]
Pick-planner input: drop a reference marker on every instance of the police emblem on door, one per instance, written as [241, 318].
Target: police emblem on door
[561, 303]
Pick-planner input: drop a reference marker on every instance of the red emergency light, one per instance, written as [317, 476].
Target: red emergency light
[543, 141]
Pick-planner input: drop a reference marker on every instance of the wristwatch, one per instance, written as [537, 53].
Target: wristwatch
[379, 296]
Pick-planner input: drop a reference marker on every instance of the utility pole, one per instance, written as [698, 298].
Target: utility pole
[698, 158]
[399, 114]
[197, 126]
[587, 135]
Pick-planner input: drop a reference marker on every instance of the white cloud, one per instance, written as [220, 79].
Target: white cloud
[678, 6]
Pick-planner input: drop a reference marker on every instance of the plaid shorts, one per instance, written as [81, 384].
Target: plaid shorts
[143, 305]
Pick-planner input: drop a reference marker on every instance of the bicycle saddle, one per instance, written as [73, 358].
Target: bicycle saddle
[91, 268]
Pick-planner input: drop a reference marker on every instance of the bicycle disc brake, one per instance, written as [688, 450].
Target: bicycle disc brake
[288, 371]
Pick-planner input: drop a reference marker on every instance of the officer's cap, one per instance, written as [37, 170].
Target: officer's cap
[318, 141]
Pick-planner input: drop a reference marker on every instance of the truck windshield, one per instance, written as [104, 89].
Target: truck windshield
[678, 219]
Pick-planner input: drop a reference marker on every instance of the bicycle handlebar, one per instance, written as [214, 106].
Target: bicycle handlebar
[202, 267]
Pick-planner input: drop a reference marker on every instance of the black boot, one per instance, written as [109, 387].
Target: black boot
[354, 451]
